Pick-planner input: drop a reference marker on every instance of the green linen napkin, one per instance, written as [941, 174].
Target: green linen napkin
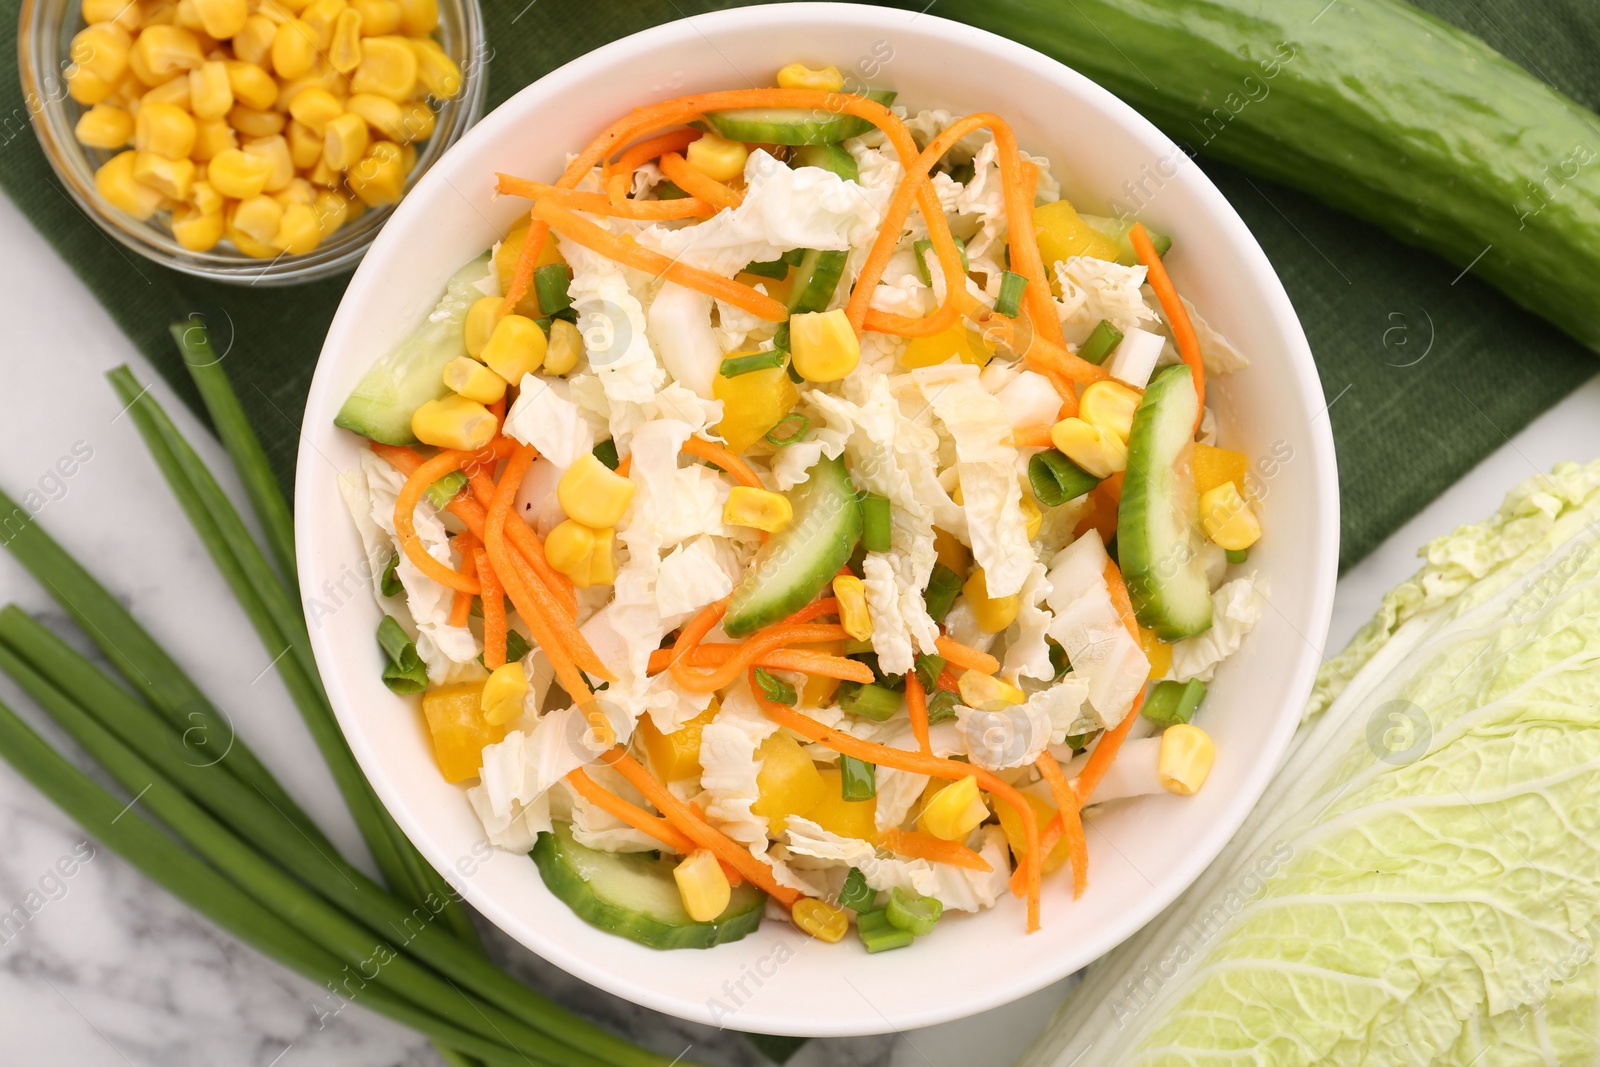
[1426, 371]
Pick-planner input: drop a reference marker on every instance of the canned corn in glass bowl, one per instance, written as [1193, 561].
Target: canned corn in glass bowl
[257, 142]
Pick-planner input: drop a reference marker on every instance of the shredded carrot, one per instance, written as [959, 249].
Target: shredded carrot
[1031, 437]
[405, 528]
[1106, 749]
[625, 465]
[949, 681]
[461, 606]
[619, 172]
[917, 845]
[707, 190]
[630, 253]
[917, 709]
[600, 204]
[1119, 599]
[917, 763]
[965, 657]
[1019, 179]
[494, 612]
[805, 660]
[826, 605]
[1068, 821]
[694, 826]
[709, 679]
[1183, 335]
[712, 452]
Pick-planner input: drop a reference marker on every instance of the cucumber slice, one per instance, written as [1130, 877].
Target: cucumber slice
[793, 125]
[1117, 230]
[634, 896]
[1158, 524]
[795, 563]
[413, 374]
[815, 279]
[828, 157]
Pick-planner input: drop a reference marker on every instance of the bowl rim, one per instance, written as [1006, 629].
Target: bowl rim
[1252, 780]
[39, 63]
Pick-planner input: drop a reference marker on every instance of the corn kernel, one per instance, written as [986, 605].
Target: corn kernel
[1157, 651]
[418, 18]
[569, 548]
[325, 78]
[297, 191]
[115, 182]
[258, 217]
[564, 348]
[716, 157]
[165, 130]
[344, 51]
[252, 85]
[955, 811]
[602, 568]
[503, 693]
[246, 243]
[473, 380]
[187, 15]
[1187, 754]
[388, 67]
[204, 198]
[332, 210]
[87, 88]
[314, 108]
[275, 151]
[252, 123]
[1227, 519]
[436, 71]
[1213, 466]
[516, 347]
[280, 11]
[324, 175]
[253, 43]
[1110, 406]
[702, 885]
[169, 177]
[950, 551]
[1097, 451]
[294, 49]
[161, 53]
[211, 138]
[593, 493]
[344, 139]
[1032, 517]
[993, 614]
[174, 92]
[454, 422]
[799, 76]
[854, 614]
[210, 94]
[378, 17]
[986, 692]
[102, 50]
[760, 509]
[158, 12]
[104, 126]
[382, 114]
[479, 323]
[195, 231]
[125, 13]
[299, 231]
[379, 178]
[408, 158]
[222, 18]
[305, 144]
[823, 921]
[824, 345]
[418, 120]
[321, 15]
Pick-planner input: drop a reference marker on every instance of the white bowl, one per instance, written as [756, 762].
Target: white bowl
[1143, 853]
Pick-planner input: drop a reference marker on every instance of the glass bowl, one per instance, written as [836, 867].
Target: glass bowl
[45, 32]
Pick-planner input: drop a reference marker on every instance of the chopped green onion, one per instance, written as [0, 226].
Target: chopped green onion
[1058, 658]
[1100, 343]
[441, 492]
[895, 682]
[962, 172]
[516, 647]
[856, 894]
[772, 268]
[912, 912]
[875, 522]
[670, 191]
[878, 934]
[550, 283]
[776, 689]
[606, 452]
[852, 647]
[928, 670]
[857, 779]
[404, 673]
[924, 248]
[1055, 479]
[868, 701]
[1079, 742]
[789, 429]
[780, 343]
[944, 585]
[734, 366]
[1170, 703]
[1238, 555]
[390, 585]
[941, 706]
[1009, 302]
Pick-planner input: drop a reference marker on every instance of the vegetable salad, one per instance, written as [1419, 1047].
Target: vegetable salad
[806, 512]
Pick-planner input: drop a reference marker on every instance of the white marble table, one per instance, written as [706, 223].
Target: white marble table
[111, 972]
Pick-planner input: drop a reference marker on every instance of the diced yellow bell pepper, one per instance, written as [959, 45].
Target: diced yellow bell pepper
[1227, 519]
[854, 614]
[752, 404]
[1213, 466]
[788, 782]
[458, 728]
[966, 345]
[993, 614]
[950, 551]
[1187, 754]
[847, 818]
[505, 267]
[1157, 651]
[1043, 814]
[675, 757]
[592, 493]
[818, 690]
[955, 811]
[1032, 517]
[1062, 234]
[702, 886]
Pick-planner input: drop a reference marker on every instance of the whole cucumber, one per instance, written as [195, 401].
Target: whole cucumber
[1372, 106]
